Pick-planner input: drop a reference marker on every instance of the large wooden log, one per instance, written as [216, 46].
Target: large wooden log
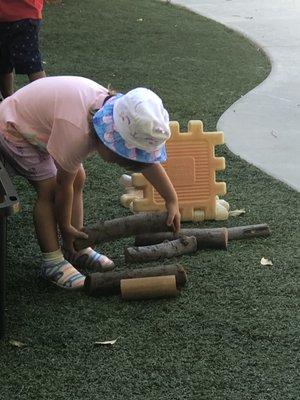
[206, 238]
[166, 249]
[106, 231]
[105, 283]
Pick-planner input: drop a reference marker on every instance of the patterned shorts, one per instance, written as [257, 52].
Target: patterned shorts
[19, 47]
[26, 160]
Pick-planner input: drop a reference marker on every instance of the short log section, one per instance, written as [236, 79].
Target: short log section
[166, 249]
[107, 283]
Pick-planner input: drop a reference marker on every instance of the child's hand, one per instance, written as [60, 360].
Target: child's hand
[69, 234]
[173, 216]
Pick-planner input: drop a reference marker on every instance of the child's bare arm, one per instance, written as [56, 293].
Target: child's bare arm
[63, 205]
[158, 177]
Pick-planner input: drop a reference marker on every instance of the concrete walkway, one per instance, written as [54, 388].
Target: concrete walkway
[263, 127]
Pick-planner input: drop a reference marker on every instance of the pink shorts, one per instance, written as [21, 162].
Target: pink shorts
[27, 160]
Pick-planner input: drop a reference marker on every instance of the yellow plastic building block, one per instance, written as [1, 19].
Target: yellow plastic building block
[192, 167]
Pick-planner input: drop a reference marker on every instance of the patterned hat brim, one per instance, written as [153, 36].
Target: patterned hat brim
[103, 123]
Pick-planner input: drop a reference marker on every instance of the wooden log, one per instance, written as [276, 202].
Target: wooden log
[106, 283]
[149, 288]
[106, 231]
[167, 249]
[206, 238]
[248, 231]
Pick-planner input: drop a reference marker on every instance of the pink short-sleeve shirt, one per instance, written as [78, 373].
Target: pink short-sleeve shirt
[52, 115]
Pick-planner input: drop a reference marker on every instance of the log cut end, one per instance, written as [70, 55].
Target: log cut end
[149, 288]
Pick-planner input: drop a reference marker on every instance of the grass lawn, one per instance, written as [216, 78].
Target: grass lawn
[233, 332]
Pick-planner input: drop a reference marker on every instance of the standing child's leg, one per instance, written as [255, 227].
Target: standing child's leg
[6, 84]
[86, 258]
[27, 56]
[6, 65]
[55, 267]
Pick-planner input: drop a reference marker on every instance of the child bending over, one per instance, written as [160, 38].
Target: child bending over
[45, 135]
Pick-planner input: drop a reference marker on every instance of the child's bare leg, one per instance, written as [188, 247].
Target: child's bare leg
[87, 257]
[7, 84]
[36, 75]
[44, 215]
[54, 267]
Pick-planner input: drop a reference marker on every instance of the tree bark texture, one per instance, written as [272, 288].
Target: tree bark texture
[167, 249]
[206, 238]
[248, 231]
[215, 238]
[106, 283]
[106, 231]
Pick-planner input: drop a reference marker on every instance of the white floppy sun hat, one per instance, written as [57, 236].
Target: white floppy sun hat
[134, 125]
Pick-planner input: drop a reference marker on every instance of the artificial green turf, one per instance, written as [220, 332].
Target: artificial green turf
[233, 332]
